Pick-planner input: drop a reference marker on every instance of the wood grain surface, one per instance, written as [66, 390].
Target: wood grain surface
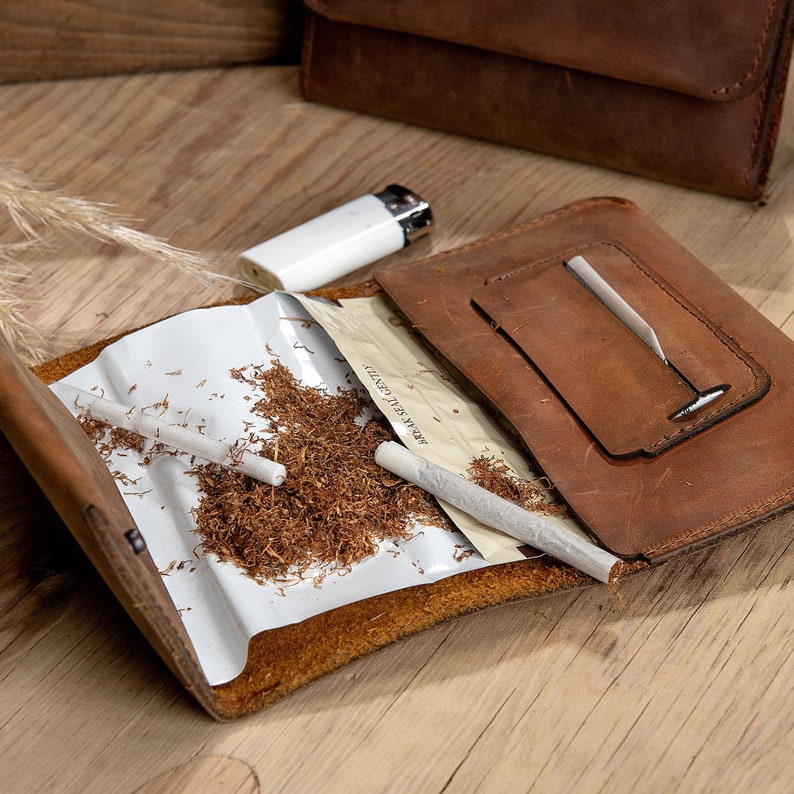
[56, 39]
[682, 683]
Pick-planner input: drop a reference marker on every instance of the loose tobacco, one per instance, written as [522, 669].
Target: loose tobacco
[494, 475]
[336, 505]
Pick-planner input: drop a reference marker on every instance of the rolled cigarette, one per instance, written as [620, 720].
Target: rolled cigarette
[498, 513]
[174, 436]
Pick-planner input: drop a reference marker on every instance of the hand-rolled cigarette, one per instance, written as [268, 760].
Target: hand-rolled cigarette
[174, 436]
[498, 513]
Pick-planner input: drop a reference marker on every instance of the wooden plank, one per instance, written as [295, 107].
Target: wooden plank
[52, 39]
[682, 683]
[215, 774]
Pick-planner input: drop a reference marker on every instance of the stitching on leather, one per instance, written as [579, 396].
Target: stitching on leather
[754, 149]
[564, 211]
[770, 14]
[704, 418]
[712, 528]
[700, 420]
[323, 7]
[756, 156]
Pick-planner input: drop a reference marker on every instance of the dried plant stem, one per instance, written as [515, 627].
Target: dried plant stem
[20, 334]
[37, 213]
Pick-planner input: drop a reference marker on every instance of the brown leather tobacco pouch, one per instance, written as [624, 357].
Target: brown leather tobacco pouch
[653, 454]
[689, 93]
[591, 405]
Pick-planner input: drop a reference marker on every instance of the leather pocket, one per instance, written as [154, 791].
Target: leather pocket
[631, 400]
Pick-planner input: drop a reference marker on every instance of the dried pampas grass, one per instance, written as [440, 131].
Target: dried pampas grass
[37, 214]
[21, 335]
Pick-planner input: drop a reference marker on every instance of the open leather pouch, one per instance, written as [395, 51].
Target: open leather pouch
[689, 93]
[590, 403]
[77, 481]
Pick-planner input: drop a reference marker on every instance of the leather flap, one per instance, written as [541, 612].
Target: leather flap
[717, 50]
[75, 479]
[630, 399]
[730, 475]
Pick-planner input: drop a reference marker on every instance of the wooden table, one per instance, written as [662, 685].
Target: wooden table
[684, 684]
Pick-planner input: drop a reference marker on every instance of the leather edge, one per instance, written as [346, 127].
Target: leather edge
[65, 465]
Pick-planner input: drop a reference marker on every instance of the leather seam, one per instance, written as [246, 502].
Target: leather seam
[323, 7]
[754, 162]
[703, 322]
[753, 157]
[770, 15]
[711, 529]
[755, 148]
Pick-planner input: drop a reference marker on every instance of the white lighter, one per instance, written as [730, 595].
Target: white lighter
[337, 243]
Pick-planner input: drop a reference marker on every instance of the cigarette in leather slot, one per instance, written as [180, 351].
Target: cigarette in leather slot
[584, 271]
[173, 436]
[586, 275]
[498, 513]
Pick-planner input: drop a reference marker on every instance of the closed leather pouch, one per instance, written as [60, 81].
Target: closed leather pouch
[652, 453]
[689, 93]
